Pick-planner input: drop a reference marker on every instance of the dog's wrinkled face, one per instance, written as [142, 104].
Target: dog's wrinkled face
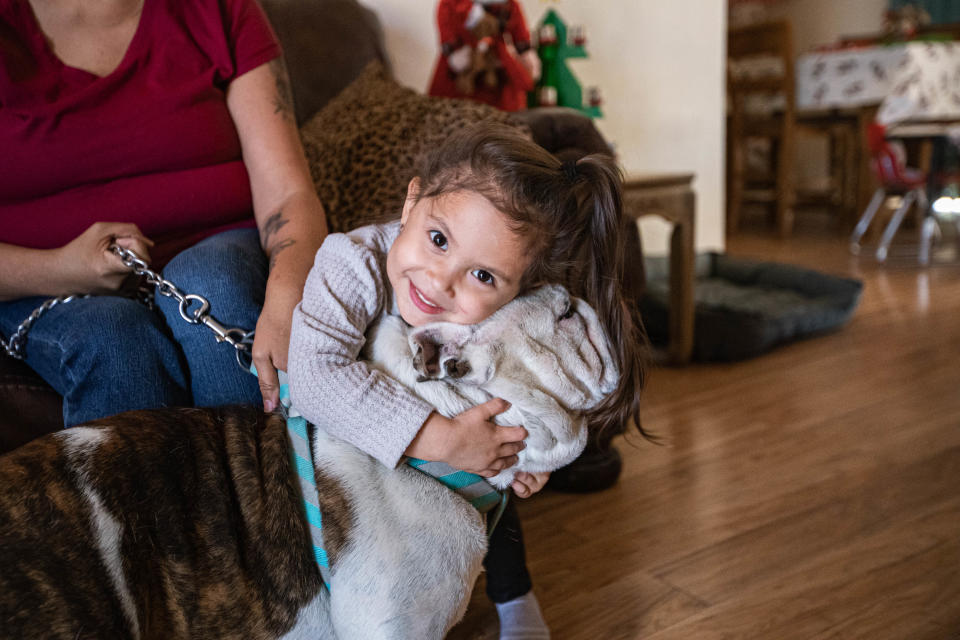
[546, 339]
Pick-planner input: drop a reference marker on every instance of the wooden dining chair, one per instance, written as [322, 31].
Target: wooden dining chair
[762, 106]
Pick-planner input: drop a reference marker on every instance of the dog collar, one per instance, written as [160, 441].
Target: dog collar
[469, 486]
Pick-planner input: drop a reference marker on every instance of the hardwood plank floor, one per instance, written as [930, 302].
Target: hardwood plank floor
[808, 493]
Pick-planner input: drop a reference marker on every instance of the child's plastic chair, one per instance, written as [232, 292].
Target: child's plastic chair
[896, 179]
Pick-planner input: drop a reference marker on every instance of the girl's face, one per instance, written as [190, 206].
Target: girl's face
[455, 260]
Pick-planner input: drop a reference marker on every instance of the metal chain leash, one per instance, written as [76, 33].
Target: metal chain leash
[240, 339]
[15, 346]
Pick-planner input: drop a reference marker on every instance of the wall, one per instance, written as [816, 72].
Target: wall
[820, 22]
[660, 67]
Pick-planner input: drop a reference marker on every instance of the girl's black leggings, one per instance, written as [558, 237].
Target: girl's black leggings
[506, 562]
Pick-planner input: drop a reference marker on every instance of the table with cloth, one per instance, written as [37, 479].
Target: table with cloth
[891, 84]
[907, 81]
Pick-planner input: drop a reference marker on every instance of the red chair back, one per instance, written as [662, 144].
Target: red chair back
[889, 165]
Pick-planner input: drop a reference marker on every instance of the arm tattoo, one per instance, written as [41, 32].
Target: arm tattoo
[275, 250]
[283, 99]
[270, 228]
[273, 224]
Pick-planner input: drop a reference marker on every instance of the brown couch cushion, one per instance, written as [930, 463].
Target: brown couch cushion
[564, 132]
[326, 44]
[364, 145]
[29, 407]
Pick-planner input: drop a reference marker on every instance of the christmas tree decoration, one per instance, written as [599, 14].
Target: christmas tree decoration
[558, 86]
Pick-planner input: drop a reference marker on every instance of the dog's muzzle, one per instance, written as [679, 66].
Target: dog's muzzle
[434, 360]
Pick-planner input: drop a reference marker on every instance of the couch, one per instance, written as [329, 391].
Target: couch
[327, 43]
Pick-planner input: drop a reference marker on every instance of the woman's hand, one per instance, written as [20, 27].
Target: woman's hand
[272, 342]
[526, 484]
[88, 266]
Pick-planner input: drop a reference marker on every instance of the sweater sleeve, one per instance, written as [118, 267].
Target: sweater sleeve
[329, 386]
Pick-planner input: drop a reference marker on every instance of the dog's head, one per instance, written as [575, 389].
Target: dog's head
[546, 339]
[545, 353]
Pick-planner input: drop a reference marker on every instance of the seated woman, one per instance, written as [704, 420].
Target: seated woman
[167, 128]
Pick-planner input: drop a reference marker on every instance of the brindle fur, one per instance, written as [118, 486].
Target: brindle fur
[211, 519]
[337, 516]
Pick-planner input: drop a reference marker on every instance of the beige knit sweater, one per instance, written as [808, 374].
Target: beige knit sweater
[346, 291]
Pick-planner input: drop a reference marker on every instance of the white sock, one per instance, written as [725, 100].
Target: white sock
[521, 619]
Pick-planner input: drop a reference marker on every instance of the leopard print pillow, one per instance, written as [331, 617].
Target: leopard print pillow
[364, 146]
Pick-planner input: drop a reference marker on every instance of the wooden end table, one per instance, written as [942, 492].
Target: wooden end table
[671, 197]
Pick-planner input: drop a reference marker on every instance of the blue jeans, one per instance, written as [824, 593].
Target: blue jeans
[108, 354]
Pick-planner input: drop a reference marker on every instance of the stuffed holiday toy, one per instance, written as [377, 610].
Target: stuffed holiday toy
[485, 40]
[903, 23]
[484, 57]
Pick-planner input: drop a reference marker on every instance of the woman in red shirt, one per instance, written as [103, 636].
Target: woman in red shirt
[165, 127]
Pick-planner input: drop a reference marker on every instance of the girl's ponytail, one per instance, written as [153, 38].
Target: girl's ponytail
[599, 276]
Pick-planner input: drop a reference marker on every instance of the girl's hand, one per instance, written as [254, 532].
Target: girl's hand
[526, 484]
[88, 265]
[470, 441]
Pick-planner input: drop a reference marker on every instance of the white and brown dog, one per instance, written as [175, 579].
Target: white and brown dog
[188, 523]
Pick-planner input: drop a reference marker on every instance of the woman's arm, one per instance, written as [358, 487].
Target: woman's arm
[84, 265]
[28, 272]
[289, 215]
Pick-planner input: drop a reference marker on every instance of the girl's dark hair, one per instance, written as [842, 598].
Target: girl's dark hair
[572, 213]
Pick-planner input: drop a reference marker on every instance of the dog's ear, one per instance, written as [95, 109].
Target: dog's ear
[437, 350]
[598, 339]
[554, 440]
[555, 436]
[544, 414]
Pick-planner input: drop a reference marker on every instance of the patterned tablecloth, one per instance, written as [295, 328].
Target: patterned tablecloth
[912, 81]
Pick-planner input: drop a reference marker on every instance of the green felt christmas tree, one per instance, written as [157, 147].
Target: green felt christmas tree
[557, 84]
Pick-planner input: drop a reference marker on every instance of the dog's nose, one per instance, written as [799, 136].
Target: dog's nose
[454, 368]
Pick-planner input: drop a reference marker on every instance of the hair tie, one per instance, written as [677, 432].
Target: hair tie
[569, 169]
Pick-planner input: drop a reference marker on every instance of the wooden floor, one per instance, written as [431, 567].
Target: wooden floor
[813, 492]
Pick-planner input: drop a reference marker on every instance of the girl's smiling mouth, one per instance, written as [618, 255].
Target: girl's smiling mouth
[423, 303]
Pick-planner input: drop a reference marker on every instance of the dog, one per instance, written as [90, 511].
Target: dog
[188, 523]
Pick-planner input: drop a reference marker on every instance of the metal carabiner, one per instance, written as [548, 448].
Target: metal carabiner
[245, 351]
[198, 316]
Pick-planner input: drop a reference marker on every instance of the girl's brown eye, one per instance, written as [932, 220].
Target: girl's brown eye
[438, 239]
[483, 276]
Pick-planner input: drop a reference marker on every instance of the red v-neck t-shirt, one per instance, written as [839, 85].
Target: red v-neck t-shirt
[151, 143]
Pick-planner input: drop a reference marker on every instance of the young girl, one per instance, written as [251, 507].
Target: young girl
[489, 216]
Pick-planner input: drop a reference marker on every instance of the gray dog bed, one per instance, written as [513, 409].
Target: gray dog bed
[743, 308]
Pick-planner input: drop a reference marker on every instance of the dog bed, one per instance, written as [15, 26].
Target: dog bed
[743, 308]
